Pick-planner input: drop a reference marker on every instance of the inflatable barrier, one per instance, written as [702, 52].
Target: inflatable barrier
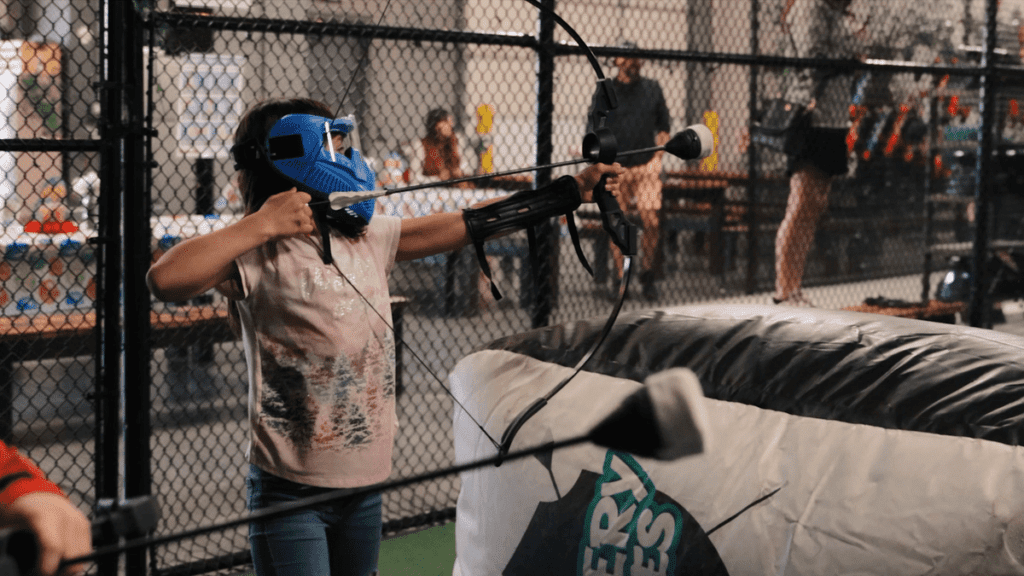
[840, 443]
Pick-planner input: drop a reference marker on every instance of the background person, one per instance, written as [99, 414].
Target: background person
[438, 156]
[641, 120]
[815, 29]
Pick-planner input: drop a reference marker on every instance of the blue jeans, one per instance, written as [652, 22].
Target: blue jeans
[341, 538]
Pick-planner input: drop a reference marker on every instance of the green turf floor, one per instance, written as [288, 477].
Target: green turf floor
[428, 552]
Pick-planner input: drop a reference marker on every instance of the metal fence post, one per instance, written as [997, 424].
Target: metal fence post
[547, 239]
[108, 264]
[979, 301]
[136, 249]
[752, 163]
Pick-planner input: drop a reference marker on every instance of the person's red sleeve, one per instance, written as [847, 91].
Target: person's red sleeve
[19, 476]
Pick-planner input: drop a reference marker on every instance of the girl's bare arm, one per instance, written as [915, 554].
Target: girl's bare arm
[198, 264]
[446, 231]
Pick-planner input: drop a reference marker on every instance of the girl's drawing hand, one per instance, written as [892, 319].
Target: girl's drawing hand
[287, 214]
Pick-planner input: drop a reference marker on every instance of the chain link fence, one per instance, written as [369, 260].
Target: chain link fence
[49, 161]
[901, 229]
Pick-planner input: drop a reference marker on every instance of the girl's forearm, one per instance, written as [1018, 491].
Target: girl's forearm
[196, 265]
[432, 234]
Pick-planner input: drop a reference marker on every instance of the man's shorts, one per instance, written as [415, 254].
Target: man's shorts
[640, 186]
[823, 148]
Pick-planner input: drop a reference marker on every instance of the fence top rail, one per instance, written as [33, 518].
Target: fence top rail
[560, 48]
[342, 29]
[48, 145]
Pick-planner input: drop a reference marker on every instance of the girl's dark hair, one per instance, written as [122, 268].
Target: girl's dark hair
[261, 182]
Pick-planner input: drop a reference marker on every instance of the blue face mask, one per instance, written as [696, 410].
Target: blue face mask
[299, 147]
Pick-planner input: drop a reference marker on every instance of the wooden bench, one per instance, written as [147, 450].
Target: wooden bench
[41, 337]
[692, 200]
[697, 203]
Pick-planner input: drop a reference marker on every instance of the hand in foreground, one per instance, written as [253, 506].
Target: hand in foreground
[287, 214]
[62, 530]
[589, 177]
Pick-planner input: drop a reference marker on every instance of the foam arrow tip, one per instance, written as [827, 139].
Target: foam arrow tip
[666, 419]
[341, 200]
[694, 143]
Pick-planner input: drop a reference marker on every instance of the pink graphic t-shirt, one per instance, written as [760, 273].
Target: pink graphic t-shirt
[321, 362]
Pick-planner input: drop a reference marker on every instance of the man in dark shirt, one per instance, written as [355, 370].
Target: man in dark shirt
[641, 120]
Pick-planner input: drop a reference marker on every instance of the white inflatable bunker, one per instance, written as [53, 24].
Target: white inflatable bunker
[840, 444]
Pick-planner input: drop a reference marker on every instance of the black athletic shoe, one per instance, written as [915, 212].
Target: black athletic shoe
[649, 289]
[650, 292]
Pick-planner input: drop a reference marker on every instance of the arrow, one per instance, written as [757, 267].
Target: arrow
[693, 143]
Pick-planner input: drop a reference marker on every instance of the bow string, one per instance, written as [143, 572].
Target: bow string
[599, 146]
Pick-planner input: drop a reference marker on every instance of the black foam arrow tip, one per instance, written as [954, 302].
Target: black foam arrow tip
[695, 142]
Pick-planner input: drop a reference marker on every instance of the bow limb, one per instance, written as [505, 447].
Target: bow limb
[598, 146]
[572, 33]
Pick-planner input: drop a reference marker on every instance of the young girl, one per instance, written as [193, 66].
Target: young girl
[320, 361]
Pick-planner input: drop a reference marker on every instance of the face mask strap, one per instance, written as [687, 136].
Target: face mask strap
[248, 155]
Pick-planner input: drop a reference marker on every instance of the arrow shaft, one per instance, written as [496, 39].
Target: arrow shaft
[478, 177]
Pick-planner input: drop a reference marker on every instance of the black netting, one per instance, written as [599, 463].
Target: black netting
[902, 215]
[49, 57]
